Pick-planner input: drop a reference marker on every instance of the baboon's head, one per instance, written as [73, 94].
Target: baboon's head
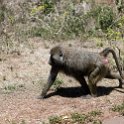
[56, 56]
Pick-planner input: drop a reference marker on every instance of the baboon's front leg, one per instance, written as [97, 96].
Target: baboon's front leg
[83, 83]
[51, 79]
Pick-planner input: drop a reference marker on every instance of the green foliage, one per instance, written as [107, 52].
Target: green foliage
[99, 43]
[74, 25]
[59, 20]
[55, 120]
[80, 118]
[116, 32]
[37, 9]
[118, 108]
[106, 17]
[69, 24]
[45, 7]
[120, 5]
[48, 6]
[13, 87]
[103, 15]
[97, 121]
[10, 87]
[22, 122]
[62, 25]
[95, 113]
[77, 118]
[113, 34]
[1, 15]
[57, 83]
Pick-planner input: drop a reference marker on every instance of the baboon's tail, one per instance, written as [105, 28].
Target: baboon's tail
[108, 50]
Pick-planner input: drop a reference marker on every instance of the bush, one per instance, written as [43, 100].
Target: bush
[66, 22]
[58, 20]
[62, 24]
[106, 17]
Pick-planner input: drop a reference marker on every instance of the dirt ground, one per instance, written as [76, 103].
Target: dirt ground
[22, 77]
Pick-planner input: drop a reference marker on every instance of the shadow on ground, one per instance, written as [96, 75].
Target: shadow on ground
[73, 92]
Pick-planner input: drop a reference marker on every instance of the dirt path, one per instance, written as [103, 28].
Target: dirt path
[114, 120]
[21, 82]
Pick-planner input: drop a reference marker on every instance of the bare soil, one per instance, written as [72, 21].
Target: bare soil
[22, 77]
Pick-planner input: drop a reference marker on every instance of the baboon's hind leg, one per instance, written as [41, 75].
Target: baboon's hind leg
[93, 78]
[114, 75]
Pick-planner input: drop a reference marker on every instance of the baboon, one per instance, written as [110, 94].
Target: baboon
[80, 63]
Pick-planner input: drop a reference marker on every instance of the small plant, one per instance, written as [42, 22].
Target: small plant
[118, 108]
[13, 123]
[57, 83]
[116, 30]
[113, 34]
[80, 118]
[95, 113]
[97, 122]
[92, 117]
[10, 87]
[77, 118]
[106, 17]
[55, 120]
[13, 87]
[23, 122]
[99, 43]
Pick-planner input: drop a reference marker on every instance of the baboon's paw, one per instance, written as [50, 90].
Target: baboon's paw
[86, 96]
[40, 97]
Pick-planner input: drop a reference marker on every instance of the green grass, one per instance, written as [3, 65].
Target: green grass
[95, 113]
[13, 87]
[10, 87]
[77, 118]
[118, 108]
[80, 118]
[55, 120]
[58, 82]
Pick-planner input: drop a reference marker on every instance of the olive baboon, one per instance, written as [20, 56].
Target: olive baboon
[80, 63]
